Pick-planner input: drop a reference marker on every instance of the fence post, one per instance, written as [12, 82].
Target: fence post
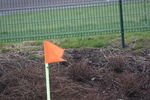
[121, 24]
[145, 11]
[0, 29]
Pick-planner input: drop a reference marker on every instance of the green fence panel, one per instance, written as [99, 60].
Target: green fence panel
[50, 19]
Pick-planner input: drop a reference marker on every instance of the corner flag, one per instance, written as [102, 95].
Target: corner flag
[52, 54]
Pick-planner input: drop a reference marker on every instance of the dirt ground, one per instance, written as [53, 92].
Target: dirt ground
[88, 74]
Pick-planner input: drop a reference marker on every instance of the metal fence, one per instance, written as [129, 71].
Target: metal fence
[42, 19]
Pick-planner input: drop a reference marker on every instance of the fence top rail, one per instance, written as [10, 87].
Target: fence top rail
[61, 5]
[106, 2]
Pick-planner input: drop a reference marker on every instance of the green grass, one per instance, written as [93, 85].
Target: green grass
[138, 41]
[71, 21]
[4, 50]
[87, 42]
[134, 41]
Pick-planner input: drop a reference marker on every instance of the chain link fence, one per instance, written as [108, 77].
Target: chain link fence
[22, 20]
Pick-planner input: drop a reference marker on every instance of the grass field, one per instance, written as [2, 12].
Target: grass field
[135, 41]
[74, 21]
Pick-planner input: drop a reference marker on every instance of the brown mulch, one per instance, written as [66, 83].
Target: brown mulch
[88, 74]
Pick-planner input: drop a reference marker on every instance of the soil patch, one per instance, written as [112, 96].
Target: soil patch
[88, 74]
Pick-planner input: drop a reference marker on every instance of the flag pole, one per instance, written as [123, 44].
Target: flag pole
[47, 81]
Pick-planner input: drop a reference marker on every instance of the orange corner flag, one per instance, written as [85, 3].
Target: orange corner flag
[52, 53]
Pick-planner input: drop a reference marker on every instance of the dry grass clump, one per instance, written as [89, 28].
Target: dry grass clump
[96, 96]
[131, 84]
[82, 72]
[23, 84]
[116, 63]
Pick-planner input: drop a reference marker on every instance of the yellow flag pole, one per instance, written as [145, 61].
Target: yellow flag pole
[47, 81]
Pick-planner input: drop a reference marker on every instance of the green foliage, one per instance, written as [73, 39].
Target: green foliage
[137, 51]
[33, 56]
[37, 43]
[5, 50]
